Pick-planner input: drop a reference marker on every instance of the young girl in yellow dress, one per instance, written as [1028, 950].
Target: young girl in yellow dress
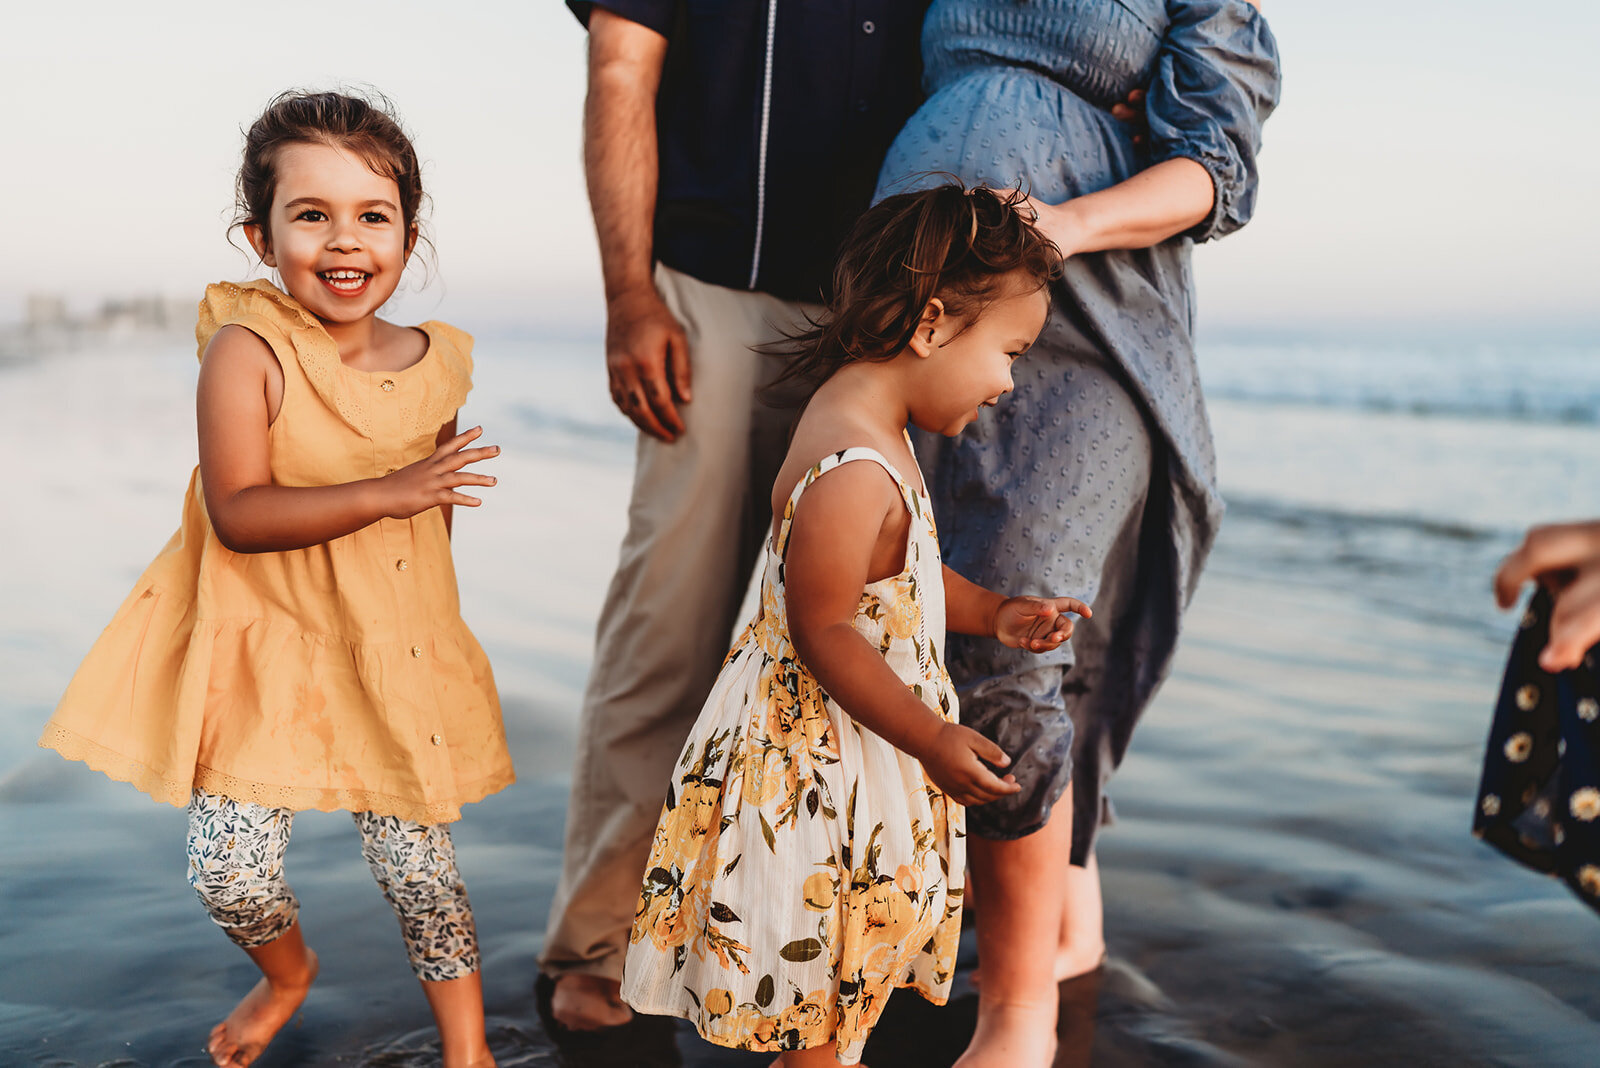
[810, 855]
[298, 644]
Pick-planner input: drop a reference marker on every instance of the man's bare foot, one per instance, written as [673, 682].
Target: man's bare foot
[1071, 962]
[588, 1002]
[239, 1039]
[1012, 1036]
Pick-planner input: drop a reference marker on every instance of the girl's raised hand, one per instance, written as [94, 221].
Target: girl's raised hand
[956, 761]
[432, 482]
[1037, 624]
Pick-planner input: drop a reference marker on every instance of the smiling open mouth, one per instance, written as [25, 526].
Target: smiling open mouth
[344, 281]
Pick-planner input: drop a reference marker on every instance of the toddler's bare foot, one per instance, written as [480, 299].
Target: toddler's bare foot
[1012, 1036]
[589, 1002]
[239, 1039]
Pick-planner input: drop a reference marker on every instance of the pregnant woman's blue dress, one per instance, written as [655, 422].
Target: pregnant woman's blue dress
[1097, 477]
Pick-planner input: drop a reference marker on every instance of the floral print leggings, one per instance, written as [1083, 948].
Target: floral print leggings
[236, 866]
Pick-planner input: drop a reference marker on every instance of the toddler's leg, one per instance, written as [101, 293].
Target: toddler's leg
[1019, 884]
[236, 866]
[816, 1057]
[415, 866]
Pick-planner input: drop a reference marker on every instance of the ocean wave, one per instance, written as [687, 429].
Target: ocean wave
[1541, 383]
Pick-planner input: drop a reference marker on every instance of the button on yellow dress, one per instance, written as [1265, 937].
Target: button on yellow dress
[340, 676]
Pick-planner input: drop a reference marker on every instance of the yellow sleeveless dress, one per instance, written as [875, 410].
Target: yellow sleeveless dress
[339, 676]
[803, 867]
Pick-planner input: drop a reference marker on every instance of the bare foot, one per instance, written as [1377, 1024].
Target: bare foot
[589, 1002]
[1012, 1036]
[239, 1039]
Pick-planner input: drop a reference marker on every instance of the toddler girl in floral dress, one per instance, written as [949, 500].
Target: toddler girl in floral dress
[809, 857]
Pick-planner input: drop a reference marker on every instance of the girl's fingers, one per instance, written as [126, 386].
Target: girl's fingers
[471, 478]
[460, 441]
[987, 750]
[1073, 605]
[463, 499]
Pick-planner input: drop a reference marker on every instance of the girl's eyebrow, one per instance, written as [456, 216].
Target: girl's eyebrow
[319, 202]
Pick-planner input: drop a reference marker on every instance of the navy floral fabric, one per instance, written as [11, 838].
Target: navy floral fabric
[1539, 799]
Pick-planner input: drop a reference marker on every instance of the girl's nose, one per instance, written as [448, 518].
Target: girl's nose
[344, 239]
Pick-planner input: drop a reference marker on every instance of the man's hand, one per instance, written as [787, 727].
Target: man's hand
[1565, 558]
[647, 362]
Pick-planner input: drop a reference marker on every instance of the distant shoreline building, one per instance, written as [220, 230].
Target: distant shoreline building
[49, 325]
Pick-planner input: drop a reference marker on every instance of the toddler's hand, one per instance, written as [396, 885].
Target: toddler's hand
[432, 482]
[955, 762]
[1038, 624]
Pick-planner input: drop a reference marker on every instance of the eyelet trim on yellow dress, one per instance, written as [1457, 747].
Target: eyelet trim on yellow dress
[261, 305]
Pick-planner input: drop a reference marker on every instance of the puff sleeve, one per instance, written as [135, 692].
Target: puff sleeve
[1217, 79]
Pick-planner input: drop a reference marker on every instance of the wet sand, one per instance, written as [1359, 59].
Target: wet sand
[1291, 881]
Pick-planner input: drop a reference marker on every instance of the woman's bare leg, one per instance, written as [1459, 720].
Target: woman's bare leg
[1083, 937]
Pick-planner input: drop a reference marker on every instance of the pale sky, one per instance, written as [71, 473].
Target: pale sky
[1431, 170]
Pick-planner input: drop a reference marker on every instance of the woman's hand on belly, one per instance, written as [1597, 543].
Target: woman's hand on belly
[1154, 205]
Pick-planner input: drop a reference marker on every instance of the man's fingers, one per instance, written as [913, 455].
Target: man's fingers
[678, 366]
[646, 420]
[659, 394]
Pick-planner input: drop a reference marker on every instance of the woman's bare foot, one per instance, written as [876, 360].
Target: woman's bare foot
[239, 1039]
[589, 1002]
[1012, 1036]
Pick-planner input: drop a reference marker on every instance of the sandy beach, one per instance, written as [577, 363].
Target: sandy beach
[1291, 880]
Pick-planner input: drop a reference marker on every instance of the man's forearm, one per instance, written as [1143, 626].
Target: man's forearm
[619, 146]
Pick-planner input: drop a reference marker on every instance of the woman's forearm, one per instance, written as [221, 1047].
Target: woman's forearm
[1157, 203]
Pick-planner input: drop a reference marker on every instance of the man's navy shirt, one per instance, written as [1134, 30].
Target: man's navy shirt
[843, 78]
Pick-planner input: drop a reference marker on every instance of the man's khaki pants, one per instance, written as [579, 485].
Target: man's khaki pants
[699, 515]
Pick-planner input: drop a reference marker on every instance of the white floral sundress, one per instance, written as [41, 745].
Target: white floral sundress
[803, 866]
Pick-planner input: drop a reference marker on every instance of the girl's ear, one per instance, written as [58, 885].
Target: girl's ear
[927, 324]
[256, 234]
[411, 242]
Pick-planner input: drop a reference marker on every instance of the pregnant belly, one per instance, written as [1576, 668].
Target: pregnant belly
[1007, 127]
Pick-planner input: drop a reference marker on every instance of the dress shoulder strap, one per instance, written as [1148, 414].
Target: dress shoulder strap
[913, 500]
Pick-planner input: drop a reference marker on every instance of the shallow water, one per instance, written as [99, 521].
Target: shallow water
[1291, 881]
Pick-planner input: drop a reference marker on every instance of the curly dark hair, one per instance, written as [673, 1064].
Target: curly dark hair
[956, 243]
[365, 125]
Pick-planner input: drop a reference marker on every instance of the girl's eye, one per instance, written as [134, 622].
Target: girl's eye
[310, 215]
[377, 217]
